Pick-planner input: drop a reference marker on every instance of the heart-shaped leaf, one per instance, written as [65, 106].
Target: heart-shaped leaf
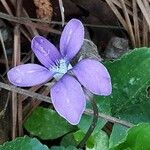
[23, 143]
[137, 138]
[47, 124]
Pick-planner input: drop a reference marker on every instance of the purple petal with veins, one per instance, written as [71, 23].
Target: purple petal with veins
[71, 39]
[68, 99]
[45, 51]
[94, 76]
[29, 75]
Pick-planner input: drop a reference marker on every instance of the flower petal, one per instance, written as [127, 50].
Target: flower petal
[29, 75]
[94, 76]
[71, 39]
[68, 99]
[45, 51]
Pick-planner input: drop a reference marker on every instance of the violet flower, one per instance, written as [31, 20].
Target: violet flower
[67, 94]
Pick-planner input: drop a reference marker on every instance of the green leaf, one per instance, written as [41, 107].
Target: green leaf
[47, 124]
[101, 141]
[118, 134]
[137, 113]
[129, 100]
[69, 140]
[130, 79]
[57, 148]
[23, 143]
[137, 138]
[79, 135]
[63, 148]
[71, 148]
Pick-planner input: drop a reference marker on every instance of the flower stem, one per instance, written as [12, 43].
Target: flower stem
[92, 126]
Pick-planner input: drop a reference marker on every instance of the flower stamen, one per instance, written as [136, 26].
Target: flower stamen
[60, 68]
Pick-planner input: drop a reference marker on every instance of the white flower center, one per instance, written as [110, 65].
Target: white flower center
[60, 68]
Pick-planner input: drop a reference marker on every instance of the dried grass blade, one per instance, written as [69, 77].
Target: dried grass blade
[32, 31]
[145, 32]
[143, 9]
[117, 3]
[62, 12]
[128, 22]
[117, 13]
[10, 13]
[4, 51]
[16, 61]
[32, 89]
[136, 24]
[6, 7]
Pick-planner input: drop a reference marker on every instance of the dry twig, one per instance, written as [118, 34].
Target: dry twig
[16, 61]
[48, 100]
[28, 23]
[62, 12]
[4, 51]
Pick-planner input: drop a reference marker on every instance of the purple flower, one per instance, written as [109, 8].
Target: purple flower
[67, 94]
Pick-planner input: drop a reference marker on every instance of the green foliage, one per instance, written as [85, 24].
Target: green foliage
[69, 139]
[101, 141]
[118, 133]
[138, 138]
[63, 148]
[130, 79]
[47, 124]
[57, 148]
[129, 100]
[79, 135]
[23, 143]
